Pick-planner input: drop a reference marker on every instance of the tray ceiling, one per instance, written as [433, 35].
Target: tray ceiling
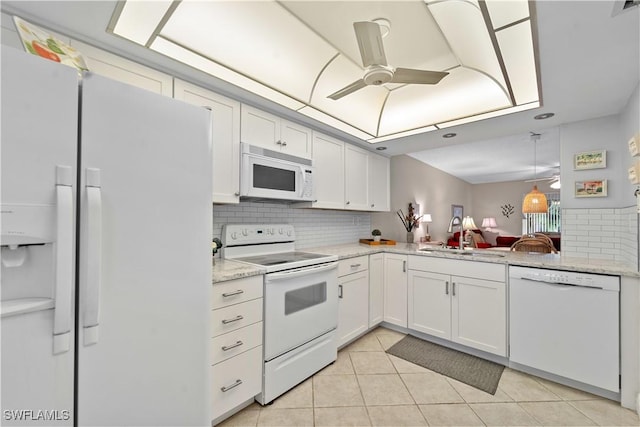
[297, 53]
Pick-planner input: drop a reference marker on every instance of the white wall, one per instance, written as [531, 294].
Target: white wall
[434, 190]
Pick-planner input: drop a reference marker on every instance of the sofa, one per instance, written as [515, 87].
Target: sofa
[478, 240]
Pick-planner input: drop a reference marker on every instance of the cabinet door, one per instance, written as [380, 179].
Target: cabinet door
[129, 72]
[225, 114]
[353, 306]
[356, 166]
[328, 161]
[260, 128]
[296, 139]
[395, 289]
[478, 309]
[378, 182]
[376, 289]
[430, 303]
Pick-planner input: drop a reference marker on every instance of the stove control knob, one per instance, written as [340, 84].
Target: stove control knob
[245, 232]
[281, 231]
[234, 235]
[288, 232]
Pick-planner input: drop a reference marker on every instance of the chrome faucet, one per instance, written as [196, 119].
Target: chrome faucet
[453, 223]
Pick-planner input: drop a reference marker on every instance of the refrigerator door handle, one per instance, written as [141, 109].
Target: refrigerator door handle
[94, 257]
[64, 260]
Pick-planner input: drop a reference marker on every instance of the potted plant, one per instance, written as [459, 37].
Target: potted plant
[376, 235]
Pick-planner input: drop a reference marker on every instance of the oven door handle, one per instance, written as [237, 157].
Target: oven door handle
[285, 275]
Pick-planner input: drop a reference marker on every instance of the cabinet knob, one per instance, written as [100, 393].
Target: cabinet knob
[348, 203]
[284, 143]
[237, 193]
[373, 206]
[279, 142]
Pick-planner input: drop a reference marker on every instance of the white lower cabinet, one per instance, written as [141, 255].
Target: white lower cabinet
[353, 298]
[376, 289]
[395, 289]
[236, 343]
[466, 310]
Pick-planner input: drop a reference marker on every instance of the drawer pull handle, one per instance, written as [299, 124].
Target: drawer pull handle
[453, 289]
[230, 294]
[235, 319]
[339, 291]
[355, 265]
[229, 387]
[229, 347]
[446, 288]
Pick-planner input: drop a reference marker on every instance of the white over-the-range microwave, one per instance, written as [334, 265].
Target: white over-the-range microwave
[269, 174]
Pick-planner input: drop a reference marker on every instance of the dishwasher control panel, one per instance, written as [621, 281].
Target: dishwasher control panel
[574, 278]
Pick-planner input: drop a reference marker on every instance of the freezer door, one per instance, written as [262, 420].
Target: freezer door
[39, 140]
[145, 258]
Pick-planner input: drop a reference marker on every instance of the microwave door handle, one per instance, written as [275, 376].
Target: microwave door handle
[304, 181]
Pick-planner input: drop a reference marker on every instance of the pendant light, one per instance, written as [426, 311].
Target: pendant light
[535, 201]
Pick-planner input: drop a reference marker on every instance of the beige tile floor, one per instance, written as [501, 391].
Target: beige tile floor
[367, 387]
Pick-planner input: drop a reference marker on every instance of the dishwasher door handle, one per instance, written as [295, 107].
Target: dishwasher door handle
[560, 284]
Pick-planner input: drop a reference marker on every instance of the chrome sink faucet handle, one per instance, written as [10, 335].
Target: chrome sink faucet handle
[453, 223]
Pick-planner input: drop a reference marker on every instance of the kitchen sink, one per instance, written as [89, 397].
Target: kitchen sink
[479, 254]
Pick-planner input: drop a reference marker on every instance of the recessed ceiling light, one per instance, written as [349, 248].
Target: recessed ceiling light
[544, 116]
[381, 148]
[449, 135]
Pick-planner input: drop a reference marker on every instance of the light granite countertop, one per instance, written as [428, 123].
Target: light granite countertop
[224, 270]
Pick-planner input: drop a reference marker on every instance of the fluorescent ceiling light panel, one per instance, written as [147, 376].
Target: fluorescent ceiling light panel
[520, 63]
[489, 115]
[333, 122]
[296, 53]
[198, 62]
[139, 19]
[506, 12]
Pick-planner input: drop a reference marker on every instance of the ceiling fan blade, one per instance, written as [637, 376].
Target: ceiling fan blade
[358, 84]
[407, 75]
[370, 43]
[547, 178]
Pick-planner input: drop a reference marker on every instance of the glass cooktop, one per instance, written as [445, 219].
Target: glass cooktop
[281, 258]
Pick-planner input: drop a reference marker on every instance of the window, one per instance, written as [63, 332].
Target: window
[545, 223]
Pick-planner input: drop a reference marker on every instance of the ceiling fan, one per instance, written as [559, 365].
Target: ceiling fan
[377, 71]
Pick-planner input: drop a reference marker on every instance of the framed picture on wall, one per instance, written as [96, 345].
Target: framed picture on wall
[594, 188]
[590, 160]
[457, 210]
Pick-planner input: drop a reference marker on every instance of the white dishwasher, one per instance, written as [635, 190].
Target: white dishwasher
[567, 324]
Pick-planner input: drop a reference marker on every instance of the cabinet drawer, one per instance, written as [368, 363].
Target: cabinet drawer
[245, 370]
[236, 291]
[233, 343]
[353, 265]
[236, 316]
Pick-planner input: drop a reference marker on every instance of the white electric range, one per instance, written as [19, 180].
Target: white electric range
[300, 303]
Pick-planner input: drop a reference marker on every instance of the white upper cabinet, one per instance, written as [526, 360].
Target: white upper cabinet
[378, 171]
[225, 136]
[328, 162]
[117, 68]
[356, 167]
[272, 132]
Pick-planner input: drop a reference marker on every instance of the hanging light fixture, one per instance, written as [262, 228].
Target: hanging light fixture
[535, 201]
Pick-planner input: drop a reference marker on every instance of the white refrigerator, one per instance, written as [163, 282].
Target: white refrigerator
[106, 251]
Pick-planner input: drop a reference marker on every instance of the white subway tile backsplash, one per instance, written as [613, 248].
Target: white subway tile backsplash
[314, 227]
[601, 234]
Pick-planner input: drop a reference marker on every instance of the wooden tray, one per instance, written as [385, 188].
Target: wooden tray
[381, 242]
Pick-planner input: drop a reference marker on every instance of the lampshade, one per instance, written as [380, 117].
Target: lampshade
[534, 202]
[468, 223]
[426, 218]
[489, 222]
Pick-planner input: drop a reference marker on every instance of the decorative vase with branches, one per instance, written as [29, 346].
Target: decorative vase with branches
[410, 221]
